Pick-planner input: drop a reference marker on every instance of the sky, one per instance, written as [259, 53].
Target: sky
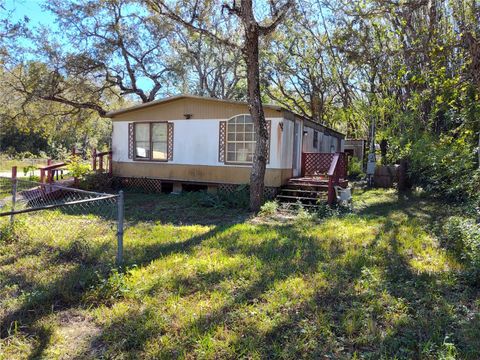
[30, 9]
[19, 9]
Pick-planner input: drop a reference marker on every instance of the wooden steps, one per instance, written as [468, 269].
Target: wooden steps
[308, 192]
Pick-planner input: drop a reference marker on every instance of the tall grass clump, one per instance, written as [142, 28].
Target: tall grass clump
[269, 208]
[462, 236]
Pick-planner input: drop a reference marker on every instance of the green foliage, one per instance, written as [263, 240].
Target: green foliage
[77, 167]
[238, 199]
[446, 166]
[58, 151]
[29, 171]
[100, 182]
[462, 235]
[7, 233]
[355, 168]
[375, 279]
[109, 288]
[324, 211]
[269, 208]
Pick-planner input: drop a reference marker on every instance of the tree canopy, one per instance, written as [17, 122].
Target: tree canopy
[412, 66]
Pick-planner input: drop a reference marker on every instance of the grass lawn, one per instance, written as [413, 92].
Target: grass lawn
[216, 283]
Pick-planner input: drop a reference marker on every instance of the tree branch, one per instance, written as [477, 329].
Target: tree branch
[161, 8]
[279, 16]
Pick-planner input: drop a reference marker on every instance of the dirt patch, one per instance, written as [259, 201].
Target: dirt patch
[76, 332]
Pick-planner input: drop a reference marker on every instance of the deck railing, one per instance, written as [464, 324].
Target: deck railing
[101, 162]
[332, 166]
[102, 159]
[48, 172]
[316, 164]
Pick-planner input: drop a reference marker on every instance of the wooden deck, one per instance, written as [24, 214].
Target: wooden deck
[321, 172]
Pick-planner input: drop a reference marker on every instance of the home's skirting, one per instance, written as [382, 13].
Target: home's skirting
[148, 185]
[198, 173]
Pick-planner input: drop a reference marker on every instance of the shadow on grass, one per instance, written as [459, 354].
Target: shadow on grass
[179, 209]
[176, 209]
[353, 321]
[336, 320]
[89, 266]
[279, 260]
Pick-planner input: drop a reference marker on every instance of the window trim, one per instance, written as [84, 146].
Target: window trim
[150, 123]
[226, 162]
[225, 142]
[315, 132]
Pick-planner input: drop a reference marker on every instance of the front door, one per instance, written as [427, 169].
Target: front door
[296, 164]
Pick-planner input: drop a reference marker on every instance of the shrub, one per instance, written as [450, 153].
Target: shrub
[446, 166]
[269, 208]
[29, 169]
[303, 217]
[6, 233]
[462, 235]
[77, 168]
[355, 169]
[239, 198]
[96, 182]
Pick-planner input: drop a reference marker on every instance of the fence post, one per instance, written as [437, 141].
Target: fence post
[120, 216]
[14, 191]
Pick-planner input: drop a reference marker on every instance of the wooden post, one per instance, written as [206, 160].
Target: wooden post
[49, 172]
[100, 163]
[120, 215]
[345, 162]
[302, 170]
[331, 191]
[110, 170]
[42, 176]
[94, 159]
[14, 191]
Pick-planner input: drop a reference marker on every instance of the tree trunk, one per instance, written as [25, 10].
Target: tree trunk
[251, 52]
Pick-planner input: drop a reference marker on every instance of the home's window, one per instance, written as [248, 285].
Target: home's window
[151, 141]
[315, 139]
[240, 139]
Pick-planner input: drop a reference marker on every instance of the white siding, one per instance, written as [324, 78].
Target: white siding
[285, 145]
[196, 143]
[325, 142]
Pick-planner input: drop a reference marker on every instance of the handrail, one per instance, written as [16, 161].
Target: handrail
[53, 166]
[333, 178]
[49, 171]
[103, 153]
[333, 165]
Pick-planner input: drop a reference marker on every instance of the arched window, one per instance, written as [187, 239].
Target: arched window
[240, 139]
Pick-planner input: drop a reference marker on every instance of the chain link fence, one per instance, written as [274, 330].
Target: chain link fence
[51, 213]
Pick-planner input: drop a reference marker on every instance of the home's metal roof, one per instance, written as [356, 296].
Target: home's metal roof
[311, 123]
